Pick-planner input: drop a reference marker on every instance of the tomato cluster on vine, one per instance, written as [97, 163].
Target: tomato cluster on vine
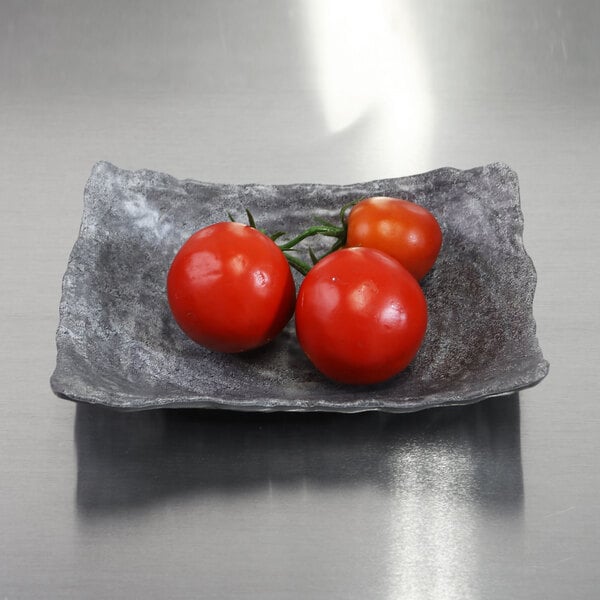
[360, 312]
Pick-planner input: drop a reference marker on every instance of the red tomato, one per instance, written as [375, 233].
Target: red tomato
[230, 288]
[360, 316]
[404, 230]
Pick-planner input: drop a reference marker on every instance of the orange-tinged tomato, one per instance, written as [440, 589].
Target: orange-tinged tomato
[402, 229]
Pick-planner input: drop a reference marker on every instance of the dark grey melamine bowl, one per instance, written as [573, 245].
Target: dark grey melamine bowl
[118, 344]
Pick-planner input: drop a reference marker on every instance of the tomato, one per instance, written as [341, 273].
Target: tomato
[360, 316]
[230, 288]
[404, 230]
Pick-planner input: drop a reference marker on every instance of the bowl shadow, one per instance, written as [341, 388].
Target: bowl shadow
[128, 461]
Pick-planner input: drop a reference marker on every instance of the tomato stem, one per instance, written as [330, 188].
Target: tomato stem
[297, 264]
[323, 227]
[327, 230]
[344, 210]
[251, 220]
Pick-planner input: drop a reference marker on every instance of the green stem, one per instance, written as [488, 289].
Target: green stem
[338, 232]
[327, 230]
[297, 264]
[343, 211]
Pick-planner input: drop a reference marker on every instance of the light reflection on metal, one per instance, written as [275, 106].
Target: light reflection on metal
[445, 483]
[433, 508]
[368, 66]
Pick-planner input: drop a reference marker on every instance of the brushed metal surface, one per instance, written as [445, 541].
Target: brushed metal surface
[492, 501]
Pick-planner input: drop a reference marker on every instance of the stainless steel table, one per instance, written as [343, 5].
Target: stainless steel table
[497, 500]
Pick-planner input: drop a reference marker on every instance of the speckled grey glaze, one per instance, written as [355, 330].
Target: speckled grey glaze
[118, 344]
